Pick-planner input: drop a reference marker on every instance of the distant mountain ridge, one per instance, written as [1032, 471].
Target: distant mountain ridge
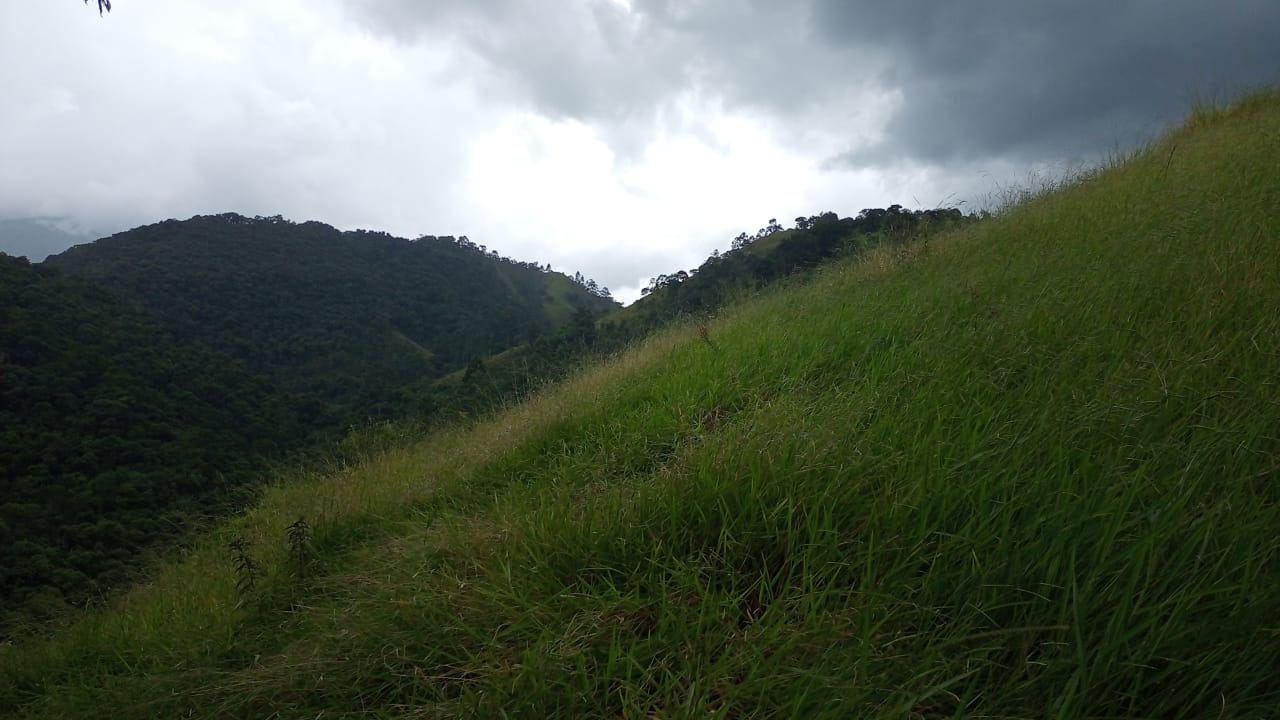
[34, 238]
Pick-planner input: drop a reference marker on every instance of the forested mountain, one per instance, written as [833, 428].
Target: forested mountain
[149, 375]
[357, 323]
[112, 434]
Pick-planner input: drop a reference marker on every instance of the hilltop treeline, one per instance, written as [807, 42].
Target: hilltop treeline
[773, 252]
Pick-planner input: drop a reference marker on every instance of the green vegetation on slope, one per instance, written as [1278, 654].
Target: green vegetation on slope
[1027, 470]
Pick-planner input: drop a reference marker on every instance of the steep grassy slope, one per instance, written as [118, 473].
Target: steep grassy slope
[1027, 470]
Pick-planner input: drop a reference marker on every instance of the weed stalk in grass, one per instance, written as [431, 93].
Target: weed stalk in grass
[300, 552]
[246, 568]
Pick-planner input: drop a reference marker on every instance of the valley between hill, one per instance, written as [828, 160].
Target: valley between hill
[1027, 468]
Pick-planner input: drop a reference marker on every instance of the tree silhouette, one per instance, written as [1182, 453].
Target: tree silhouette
[102, 4]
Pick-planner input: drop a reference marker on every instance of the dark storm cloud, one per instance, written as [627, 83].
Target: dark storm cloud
[1010, 79]
[1037, 80]
[571, 60]
[597, 60]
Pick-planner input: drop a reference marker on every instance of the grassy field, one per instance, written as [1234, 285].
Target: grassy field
[1029, 469]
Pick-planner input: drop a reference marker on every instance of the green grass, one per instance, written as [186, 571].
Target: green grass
[1026, 470]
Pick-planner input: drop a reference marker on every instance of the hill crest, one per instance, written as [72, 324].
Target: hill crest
[359, 317]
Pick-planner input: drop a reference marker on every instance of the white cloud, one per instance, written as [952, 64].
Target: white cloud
[703, 175]
[255, 107]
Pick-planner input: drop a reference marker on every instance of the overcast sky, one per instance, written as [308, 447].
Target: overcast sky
[619, 138]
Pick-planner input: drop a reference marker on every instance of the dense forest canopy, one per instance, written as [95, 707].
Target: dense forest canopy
[113, 435]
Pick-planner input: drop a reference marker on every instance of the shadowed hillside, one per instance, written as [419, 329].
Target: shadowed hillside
[113, 436]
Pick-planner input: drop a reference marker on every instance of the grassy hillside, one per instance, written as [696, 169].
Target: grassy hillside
[1026, 470]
